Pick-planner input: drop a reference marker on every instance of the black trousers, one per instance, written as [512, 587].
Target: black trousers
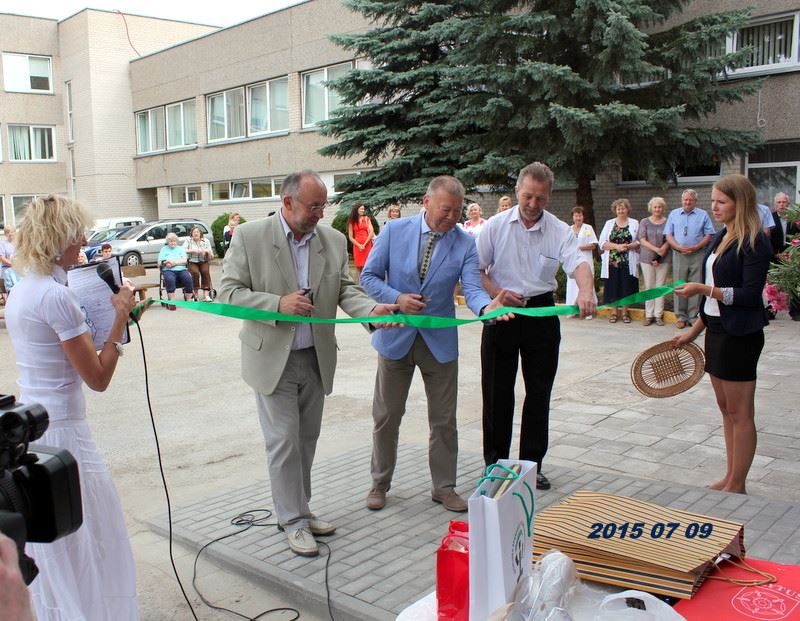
[534, 340]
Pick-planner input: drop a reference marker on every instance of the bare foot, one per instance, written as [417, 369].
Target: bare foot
[735, 490]
[719, 485]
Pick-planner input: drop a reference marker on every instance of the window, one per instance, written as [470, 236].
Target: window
[184, 194]
[774, 168]
[150, 131]
[73, 178]
[20, 204]
[31, 143]
[27, 74]
[268, 106]
[226, 115]
[2, 213]
[181, 126]
[338, 178]
[70, 127]
[319, 101]
[772, 44]
[249, 189]
[683, 173]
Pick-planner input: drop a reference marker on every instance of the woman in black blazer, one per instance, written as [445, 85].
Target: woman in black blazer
[733, 316]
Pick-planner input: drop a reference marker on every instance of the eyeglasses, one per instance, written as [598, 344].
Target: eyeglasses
[313, 208]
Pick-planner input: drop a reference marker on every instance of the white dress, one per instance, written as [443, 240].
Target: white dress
[584, 237]
[90, 574]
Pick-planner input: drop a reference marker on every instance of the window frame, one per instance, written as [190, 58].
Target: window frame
[70, 116]
[268, 102]
[34, 91]
[792, 64]
[275, 183]
[184, 144]
[151, 130]
[224, 94]
[32, 159]
[325, 70]
[30, 197]
[186, 188]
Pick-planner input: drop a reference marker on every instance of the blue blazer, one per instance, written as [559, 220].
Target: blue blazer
[746, 272]
[392, 269]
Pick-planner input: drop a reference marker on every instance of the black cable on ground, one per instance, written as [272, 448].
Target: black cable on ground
[247, 520]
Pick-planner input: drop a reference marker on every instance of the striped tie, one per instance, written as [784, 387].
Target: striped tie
[428, 253]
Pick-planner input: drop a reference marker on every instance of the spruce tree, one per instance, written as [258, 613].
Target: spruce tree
[479, 88]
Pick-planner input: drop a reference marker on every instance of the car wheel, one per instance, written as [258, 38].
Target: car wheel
[131, 258]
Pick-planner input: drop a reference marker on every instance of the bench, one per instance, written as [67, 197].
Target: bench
[139, 288]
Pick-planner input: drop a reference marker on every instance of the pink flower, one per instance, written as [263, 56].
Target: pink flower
[776, 299]
[796, 241]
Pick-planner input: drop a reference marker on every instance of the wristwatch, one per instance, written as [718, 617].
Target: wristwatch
[118, 345]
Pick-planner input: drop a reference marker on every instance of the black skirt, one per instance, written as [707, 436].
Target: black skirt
[619, 284]
[731, 358]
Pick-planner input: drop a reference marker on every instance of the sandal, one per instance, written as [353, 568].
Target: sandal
[626, 318]
[613, 319]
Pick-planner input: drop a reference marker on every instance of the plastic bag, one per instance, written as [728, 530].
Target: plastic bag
[452, 578]
[615, 608]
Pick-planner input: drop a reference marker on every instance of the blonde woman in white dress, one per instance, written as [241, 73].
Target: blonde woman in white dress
[88, 575]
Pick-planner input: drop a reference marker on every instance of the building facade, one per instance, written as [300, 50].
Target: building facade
[66, 121]
[143, 116]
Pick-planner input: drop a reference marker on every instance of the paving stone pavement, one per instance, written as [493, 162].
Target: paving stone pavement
[379, 562]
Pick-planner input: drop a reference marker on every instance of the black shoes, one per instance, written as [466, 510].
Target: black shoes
[542, 482]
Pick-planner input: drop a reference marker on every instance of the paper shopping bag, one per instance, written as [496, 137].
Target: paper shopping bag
[636, 544]
[719, 599]
[500, 534]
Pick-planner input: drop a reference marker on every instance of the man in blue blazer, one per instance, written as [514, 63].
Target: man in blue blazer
[416, 263]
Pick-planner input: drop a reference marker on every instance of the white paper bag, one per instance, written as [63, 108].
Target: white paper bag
[500, 536]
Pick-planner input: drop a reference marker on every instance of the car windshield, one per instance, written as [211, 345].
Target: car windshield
[101, 235]
[134, 231]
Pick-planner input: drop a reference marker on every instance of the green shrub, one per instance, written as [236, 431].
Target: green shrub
[216, 231]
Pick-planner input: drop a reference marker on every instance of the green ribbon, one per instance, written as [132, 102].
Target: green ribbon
[415, 321]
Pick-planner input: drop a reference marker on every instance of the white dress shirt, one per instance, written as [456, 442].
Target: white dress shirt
[303, 336]
[524, 260]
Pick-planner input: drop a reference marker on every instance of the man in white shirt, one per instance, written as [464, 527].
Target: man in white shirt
[520, 250]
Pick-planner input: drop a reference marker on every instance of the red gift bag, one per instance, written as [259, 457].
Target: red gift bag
[452, 578]
[719, 600]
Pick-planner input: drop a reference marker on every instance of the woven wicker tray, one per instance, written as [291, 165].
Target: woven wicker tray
[665, 371]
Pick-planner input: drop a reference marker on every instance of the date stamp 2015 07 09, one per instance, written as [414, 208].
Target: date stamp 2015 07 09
[658, 530]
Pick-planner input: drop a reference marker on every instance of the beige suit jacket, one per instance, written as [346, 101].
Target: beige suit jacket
[258, 270]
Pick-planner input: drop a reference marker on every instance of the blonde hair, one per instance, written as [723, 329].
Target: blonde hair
[50, 224]
[656, 200]
[746, 223]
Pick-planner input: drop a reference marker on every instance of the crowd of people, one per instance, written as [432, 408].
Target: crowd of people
[289, 264]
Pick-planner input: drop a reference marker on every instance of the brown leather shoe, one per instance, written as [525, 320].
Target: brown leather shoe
[451, 501]
[376, 499]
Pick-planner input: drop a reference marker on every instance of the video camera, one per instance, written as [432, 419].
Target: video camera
[40, 495]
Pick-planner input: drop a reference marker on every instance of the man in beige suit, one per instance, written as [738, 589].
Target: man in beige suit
[286, 263]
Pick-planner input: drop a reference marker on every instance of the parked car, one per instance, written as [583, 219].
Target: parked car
[141, 244]
[98, 238]
[116, 222]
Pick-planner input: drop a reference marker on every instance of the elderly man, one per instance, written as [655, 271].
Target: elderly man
[783, 229]
[416, 262]
[520, 251]
[287, 263]
[688, 231]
